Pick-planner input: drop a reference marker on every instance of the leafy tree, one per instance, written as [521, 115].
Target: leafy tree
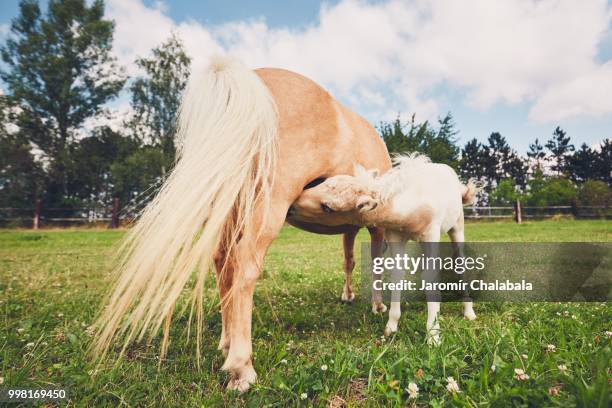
[560, 148]
[21, 176]
[59, 70]
[91, 160]
[594, 193]
[156, 96]
[505, 193]
[550, 191]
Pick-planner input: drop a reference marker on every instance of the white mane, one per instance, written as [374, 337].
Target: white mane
[405, 168]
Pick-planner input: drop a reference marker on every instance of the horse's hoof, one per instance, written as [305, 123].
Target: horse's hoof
[242, 383]
[378, 307]
[389, 331]
[348, 297]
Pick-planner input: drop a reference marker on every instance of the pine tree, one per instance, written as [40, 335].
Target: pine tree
[560, 148]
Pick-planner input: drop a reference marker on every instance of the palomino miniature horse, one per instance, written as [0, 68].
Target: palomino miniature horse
[415, 200]
[248, 144]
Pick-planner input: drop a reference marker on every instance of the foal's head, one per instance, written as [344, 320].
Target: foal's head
[339, 198]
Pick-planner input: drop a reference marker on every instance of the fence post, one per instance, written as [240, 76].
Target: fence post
[37, 208]
[115, 214]
[517, 212]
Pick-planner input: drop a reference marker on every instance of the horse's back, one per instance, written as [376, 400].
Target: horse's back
[318, 137]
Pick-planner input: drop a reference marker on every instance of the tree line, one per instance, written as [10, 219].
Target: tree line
[555, 173]
[59, 76]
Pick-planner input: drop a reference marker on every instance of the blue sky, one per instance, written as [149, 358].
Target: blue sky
[520, 68]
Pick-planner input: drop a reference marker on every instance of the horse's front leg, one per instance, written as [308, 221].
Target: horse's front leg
[377, 236]
[348, 243]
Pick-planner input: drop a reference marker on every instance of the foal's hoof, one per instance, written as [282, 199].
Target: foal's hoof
[389, 331]
[470, 315]
[433, 340]
[347, 297]
[378, 307]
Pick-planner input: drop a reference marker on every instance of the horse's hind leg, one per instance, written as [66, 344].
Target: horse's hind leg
[348, 243]
[224, 270]
[377, 236]
[457, 237]
[250, 253]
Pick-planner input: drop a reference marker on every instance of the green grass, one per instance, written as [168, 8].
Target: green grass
[51, 283]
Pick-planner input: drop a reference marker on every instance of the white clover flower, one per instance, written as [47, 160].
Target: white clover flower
[493, 368]
[20, 330]
[520, 374]
[413, 390]
[608, 334]
[303, 396]
[452, 385]
[29, 345]
[1, 380]
[525, 356]
[324, 367]
[283, 361]
[562, 368]
[551, 348]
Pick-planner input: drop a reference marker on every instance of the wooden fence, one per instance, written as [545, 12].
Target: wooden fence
[113, 215]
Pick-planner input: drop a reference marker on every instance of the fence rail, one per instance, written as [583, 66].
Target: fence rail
[113, 215]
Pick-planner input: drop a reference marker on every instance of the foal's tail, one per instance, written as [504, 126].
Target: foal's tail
[469, 193]
[226, 149]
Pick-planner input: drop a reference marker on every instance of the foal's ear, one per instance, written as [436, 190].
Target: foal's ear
[362, 173]
[365, 203]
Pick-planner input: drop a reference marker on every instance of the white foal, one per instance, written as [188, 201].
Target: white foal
[415, 200]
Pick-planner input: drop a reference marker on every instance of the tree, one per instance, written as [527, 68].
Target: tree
[21, 176]
[502, 162]
[560, 148]
[60, 72]
[544, 192]
[473, 162]
[439, 145]
[536, 153]
[580, 166]
[602, 166]
[505, 193]
[156, 96]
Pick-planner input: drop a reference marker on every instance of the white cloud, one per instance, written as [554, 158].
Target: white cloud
[407, 55]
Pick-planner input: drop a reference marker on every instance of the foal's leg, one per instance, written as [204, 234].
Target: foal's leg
[250, 253]
[348, 243]
[456, 235]
[397, 246]
[377, 236]
[431, 250]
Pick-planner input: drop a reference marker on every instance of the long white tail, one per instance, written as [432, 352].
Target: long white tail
[226, 149]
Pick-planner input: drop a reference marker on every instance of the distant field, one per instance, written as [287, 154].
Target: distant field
[51, 283]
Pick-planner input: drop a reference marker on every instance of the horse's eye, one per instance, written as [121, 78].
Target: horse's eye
[326, 208]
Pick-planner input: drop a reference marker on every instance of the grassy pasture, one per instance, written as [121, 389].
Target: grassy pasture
[310, 349]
